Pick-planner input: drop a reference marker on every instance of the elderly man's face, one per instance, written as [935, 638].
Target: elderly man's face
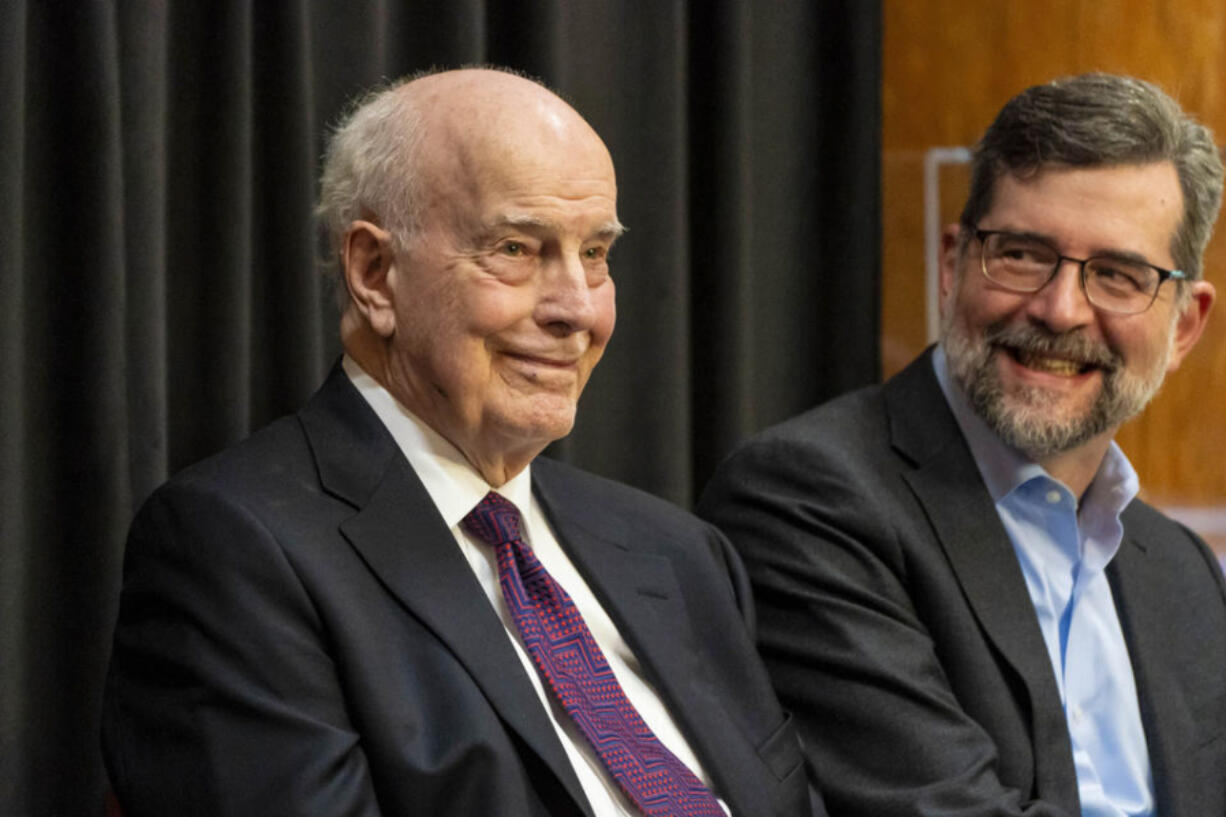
[1047, 370]
[503, 300]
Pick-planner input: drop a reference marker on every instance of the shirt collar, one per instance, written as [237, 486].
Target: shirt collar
[1114, 486]
[453, 484]
[1004, 468]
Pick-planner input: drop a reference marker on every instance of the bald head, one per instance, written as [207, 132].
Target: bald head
[484, 108]
[407, 148]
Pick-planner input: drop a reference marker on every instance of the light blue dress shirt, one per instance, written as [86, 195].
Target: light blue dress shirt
[1063, 551]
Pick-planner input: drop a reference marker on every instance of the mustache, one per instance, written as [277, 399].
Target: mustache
[1071, 346]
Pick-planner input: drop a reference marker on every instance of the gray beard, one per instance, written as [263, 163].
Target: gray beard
[1024, 417]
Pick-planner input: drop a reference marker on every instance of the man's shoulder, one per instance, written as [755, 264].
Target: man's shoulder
[285, 457]
[271, 469]
[276, 449]
[849, 457]
[840, 420]
[577, 489]
[603, 512]
[1167, 538]
[839, 435]
[1141, 518]
[862, 423]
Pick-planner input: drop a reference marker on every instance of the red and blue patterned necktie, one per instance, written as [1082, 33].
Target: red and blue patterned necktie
[573, 667]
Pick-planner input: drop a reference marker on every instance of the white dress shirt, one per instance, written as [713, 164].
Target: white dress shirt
[456, 488]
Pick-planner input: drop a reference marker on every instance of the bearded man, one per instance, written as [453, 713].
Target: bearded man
[960, 596]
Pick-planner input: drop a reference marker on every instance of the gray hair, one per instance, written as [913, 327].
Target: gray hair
[369, 172]
[1103, 119]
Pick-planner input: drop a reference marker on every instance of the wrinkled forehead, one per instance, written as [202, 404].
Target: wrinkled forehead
[481, 141]
[473, 168]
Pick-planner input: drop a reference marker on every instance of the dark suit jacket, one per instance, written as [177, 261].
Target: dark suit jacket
[897, 627]
[299, 634]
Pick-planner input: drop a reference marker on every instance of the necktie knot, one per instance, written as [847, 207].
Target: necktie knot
[494, 521]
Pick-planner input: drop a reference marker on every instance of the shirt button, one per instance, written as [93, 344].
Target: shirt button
[1053, 496]
[1076, 715]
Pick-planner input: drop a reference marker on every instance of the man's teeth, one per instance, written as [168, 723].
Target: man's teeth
[1052, 365]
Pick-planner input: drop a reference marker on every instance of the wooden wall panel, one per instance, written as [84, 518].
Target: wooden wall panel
[948, 67]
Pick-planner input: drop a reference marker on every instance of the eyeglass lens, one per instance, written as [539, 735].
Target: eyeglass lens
[1025, 264]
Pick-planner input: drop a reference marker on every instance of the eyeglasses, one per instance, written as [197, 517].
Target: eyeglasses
[1023, 263]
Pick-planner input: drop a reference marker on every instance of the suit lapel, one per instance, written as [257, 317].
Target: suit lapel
[983, 559]
[638, 590]
[403, 539]
[1164, 714]
[948, 486]
[640, 593]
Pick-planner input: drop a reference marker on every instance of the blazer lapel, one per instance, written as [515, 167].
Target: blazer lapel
[948, 486]
[639, 591]
[1167, 721]
[403, 539]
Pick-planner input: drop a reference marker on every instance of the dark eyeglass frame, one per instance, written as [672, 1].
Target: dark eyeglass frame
[1163, 274]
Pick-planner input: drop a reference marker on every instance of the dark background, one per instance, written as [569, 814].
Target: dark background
[159, 286]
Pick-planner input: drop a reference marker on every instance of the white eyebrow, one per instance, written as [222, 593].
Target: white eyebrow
[608, 230]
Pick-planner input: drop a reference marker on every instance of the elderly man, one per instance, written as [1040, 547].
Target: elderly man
[960, 597]
[386, 604]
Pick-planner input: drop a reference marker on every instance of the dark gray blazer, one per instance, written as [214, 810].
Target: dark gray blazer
[897, 627]
[299, 635]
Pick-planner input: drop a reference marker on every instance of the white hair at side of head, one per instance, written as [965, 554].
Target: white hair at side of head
[369, 172]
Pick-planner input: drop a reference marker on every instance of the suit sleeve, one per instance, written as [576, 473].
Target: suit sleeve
[222, 698]
[737, 577]
[846, 649]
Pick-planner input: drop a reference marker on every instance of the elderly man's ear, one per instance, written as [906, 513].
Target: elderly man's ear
[369, 260]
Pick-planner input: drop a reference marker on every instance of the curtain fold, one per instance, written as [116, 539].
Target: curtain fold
[161, 291]
[14, 541]
[725, 139]
[143, 89]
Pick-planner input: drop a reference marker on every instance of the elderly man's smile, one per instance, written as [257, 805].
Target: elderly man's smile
[543, 367]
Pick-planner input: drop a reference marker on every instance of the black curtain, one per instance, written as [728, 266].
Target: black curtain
[160, 291]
